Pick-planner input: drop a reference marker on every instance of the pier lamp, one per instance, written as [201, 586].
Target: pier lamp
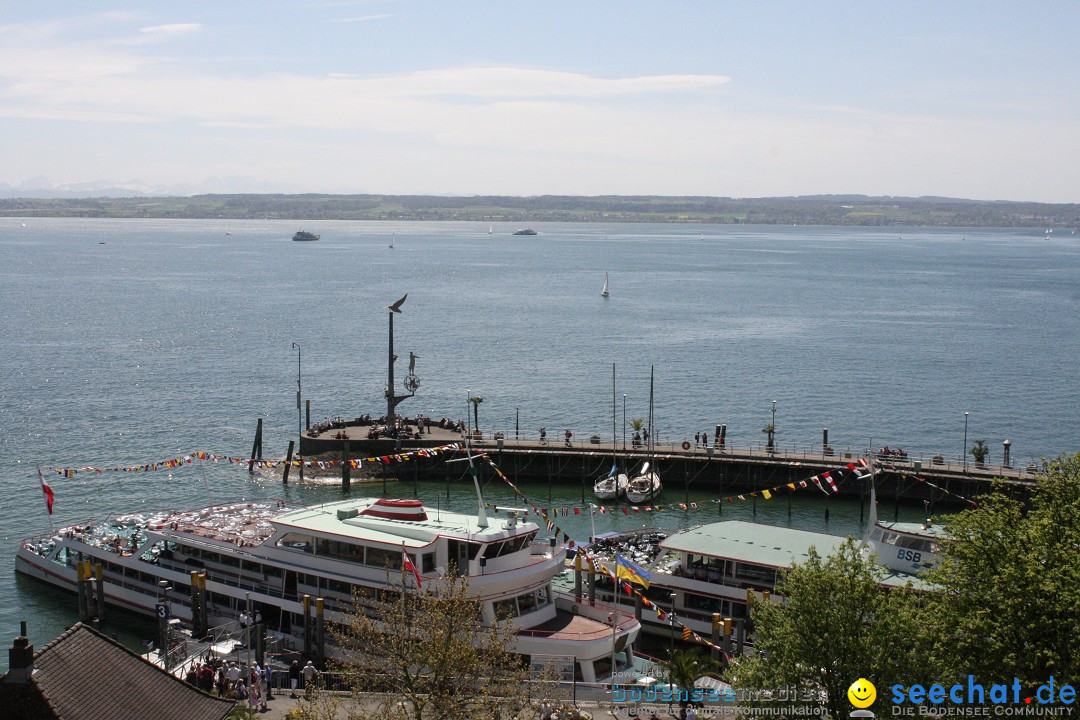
[623, 423]
[772, 435]
[963, 452]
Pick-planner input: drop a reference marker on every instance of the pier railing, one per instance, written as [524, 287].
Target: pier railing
[907, 462]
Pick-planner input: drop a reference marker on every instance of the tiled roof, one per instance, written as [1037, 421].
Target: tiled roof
[84, 675]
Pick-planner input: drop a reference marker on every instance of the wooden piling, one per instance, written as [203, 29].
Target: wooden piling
[346, 468]
[256, 447]
[288, 464]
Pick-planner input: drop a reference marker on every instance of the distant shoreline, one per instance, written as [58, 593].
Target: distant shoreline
[824, 210]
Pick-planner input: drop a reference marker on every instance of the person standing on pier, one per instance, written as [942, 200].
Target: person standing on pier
[568, 436]
[704, 439]
[697, 439]
[543, 436]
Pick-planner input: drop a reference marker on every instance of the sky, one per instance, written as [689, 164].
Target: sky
[964, 99]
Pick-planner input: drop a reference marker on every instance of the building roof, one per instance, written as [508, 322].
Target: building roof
[84, 675]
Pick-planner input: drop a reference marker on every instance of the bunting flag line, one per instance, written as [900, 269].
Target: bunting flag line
[213, 457]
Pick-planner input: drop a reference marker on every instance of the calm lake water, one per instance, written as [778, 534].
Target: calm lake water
[132, 341]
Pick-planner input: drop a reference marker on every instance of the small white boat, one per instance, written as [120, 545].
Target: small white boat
[611, 487]
[392, 240]
[643, 487]
[604, 292]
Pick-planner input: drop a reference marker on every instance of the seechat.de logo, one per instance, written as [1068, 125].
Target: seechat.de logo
[862, 693]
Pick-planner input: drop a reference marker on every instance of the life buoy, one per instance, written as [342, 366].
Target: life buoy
[685, 444]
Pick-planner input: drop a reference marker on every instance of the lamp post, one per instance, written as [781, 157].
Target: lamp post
[671, 622]
[964, 449]
[624, 422]
[299, 414]
[772, 435]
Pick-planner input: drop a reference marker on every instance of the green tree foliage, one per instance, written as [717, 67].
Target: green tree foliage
[836, 624]
[435, 660]
[683, 670]
[1009, 604]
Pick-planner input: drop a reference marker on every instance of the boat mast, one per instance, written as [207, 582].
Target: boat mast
[614, 458]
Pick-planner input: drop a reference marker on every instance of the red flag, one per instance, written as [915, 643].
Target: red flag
[49, 495]
[410, 567]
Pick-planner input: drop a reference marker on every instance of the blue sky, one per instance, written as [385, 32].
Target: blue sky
[746, 99]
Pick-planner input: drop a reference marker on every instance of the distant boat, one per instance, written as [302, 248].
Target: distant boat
[304, 235]
[604, 292]
[525, 231]
[490, 228]
[392, 240]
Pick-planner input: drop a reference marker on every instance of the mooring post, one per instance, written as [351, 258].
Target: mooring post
[288, 464]
[256, 447]
[346, 467]
[320, 643]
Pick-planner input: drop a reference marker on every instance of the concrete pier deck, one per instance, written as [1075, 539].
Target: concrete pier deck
[724, 469]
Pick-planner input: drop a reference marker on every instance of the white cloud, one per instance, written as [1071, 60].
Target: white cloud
[361, 19]
[171, 29]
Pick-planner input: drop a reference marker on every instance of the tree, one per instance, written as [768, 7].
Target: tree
[979, 451]
[433, 657]
[1010, 582]
[683, 670]
[836, 623]
[476, 400]
[769, 430]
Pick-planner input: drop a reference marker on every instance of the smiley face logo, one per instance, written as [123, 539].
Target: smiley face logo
[862, 693]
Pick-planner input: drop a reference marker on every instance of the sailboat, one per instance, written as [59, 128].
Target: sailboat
[392, 240]
[614, 485]
[490, 228]
[604, 292]
[645, 485]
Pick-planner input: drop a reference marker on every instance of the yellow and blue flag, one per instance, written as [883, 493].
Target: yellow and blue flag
[629, 571]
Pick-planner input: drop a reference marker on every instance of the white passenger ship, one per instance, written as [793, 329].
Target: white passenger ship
[277, 554]
[713, 568]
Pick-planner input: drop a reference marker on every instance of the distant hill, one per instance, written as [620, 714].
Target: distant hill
[804, 210]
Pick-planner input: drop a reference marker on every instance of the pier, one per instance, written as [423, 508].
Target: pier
[723, 469]
[583, 459]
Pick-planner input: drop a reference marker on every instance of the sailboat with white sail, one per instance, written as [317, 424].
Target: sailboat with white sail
[646, 485]
[392, 238]
[604, 292]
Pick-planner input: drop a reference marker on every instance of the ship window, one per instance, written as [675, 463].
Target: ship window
[296, 541]
[383, 558]
[702, 603]
[744, 571]
[527, 602]
[342, 550]
[338, 586]
[505, 608]
[427, 562]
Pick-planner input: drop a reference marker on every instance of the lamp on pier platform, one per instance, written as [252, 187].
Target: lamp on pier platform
[964, 453]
